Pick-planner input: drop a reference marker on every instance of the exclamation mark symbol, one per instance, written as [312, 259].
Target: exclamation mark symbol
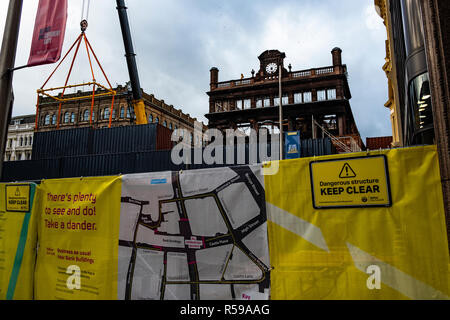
[347, 172]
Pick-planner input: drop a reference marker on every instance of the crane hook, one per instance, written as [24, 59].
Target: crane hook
[84, 25]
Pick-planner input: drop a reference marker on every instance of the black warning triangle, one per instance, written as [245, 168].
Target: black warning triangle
[347, 172]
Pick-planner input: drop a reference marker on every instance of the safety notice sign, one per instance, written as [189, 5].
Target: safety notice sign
[353, 182]
[18, 198]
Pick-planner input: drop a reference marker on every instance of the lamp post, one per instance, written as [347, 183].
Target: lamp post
[280, 111]
[7, 60]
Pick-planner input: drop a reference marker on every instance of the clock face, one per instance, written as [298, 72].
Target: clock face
[271, 68]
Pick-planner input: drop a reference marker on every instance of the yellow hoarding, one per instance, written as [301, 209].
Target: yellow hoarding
[18, 237]
[78, 239]
[396, 252]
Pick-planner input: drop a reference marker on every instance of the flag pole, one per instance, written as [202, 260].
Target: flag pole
[7, 60]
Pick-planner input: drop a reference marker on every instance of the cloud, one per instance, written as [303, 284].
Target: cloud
[178, 41]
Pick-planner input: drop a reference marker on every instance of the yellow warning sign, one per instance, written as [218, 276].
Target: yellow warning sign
[354, 182]
[18, 198]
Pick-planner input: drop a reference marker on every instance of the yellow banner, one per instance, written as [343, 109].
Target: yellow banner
[397, 252]
[78, 239]
[17, 241]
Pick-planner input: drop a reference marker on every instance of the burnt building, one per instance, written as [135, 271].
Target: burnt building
[76, 113]
[315, 101]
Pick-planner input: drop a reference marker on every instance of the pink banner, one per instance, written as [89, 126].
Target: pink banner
[49, 30]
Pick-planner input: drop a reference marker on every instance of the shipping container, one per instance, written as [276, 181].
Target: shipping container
[137, 162]
[88, 141]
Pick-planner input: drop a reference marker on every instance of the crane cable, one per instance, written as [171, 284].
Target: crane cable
[85, 10]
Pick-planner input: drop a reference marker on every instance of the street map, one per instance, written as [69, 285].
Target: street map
[194, 235]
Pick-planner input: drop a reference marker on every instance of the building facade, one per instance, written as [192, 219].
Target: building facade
[407, 71]
[315, 101]
[77, 113]
[419, 40]
[19, 142]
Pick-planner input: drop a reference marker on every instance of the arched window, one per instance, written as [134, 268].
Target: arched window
[47, 120]
[128, 113]
[150, 118]
[72, 118]
[165, 123]
[66, 117]
[106, 113]
[93, 115]
[21, 141]
[31, 141]
[157, 120]
[86, 115]
[54, 119]
[170, 126]
[122, 113]
[114, 113]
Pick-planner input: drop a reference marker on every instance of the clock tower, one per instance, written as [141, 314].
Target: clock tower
[270, 61]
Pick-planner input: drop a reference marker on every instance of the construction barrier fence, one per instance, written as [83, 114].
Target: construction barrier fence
[355, 226]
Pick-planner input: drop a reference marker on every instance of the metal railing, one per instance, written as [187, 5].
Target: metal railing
[341, 142]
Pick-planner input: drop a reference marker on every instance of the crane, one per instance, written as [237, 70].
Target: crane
[137, 98]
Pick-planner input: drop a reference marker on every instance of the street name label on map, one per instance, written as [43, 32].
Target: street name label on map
[353, 182]
[18, 198]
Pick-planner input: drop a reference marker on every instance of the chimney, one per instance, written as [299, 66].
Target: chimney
[337, 57]
[214, 77]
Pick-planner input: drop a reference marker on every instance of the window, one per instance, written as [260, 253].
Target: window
[66, 117]
[157, 120]
[21, 141]
[150, 118]
[239, 104]
[247, 104]
[93, 115]
[31, 141]
[114, 113]
[307, 97]
[285, 99]
[331, 94]
[54, 119]
[420, 102]
[321, 95]
[165, 123]
[128, 113]
[122, 112]
[259, 103]
[266, 102]
[72, 118]
[86, 115]
[276, 101]
[170, 126]
[106, 114]
[298, 98]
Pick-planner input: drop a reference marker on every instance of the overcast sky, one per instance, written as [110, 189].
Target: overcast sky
[178, 41]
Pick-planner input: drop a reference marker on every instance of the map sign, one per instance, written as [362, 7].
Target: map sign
[354, 182]
[194, 235]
